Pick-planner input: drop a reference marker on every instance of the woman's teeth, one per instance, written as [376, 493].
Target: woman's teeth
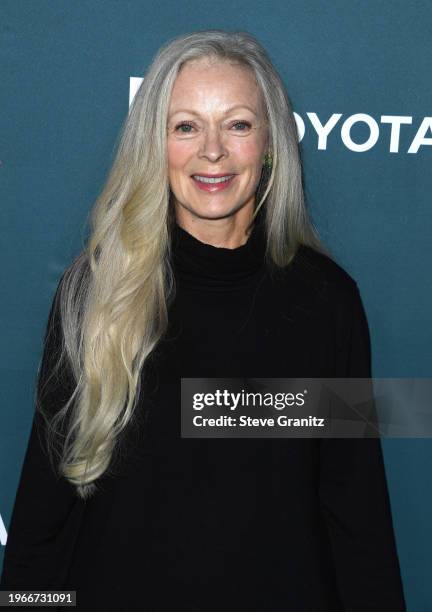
[205, 179]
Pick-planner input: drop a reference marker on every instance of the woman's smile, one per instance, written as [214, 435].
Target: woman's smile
[212, 184]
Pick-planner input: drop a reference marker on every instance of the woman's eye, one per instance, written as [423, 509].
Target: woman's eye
[188, 127]
[242, 123]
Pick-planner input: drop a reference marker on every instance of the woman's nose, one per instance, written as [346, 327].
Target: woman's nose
[212, 146]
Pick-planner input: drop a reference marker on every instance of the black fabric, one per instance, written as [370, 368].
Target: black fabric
[199, 525]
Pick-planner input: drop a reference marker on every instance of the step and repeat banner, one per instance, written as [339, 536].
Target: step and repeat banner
[358, 75]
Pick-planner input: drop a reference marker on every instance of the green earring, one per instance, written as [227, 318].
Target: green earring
[268, 161]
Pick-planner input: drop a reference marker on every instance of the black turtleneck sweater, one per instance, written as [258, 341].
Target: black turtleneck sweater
[239, 525]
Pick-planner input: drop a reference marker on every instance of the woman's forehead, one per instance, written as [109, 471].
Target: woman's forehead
[193, 68]
[216, 83]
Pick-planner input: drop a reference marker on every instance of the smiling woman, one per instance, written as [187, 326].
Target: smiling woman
[202, 262]
[217, 138]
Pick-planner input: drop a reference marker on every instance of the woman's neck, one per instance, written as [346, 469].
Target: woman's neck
[228, 232]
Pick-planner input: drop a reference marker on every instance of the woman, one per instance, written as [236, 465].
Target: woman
[202, 263]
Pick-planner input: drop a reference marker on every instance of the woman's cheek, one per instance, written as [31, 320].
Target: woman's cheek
[179, 152]
[249, 152]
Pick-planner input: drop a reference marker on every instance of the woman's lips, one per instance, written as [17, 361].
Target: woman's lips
[210, 187]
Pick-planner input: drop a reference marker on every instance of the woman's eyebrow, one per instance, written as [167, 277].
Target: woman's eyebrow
[229, 110]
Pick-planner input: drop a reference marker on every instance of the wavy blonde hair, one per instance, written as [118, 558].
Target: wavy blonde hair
[111, 306]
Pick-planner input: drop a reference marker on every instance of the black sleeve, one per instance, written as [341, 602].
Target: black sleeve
[353, 491]
[47, 513]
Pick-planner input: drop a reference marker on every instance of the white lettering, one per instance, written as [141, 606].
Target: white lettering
[395, 121]
[3, 533]
[323, 130]
[346, 132]
[419, 138]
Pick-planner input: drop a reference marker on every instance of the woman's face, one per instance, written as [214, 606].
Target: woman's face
[216, 126]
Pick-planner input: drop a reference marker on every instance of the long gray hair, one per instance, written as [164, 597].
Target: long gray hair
[111, 306]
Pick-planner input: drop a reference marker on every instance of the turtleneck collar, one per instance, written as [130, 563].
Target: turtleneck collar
[204, 266]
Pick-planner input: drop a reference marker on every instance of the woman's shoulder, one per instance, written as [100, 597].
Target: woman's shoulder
[318, 283]
[322, 271]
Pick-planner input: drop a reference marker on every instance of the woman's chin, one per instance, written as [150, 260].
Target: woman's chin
[213, 210]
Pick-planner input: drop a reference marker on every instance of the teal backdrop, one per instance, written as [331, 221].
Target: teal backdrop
[363, 65]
